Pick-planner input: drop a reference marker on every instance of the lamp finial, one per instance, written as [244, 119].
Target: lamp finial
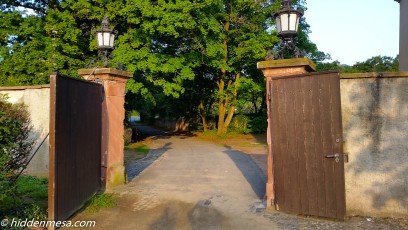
[105, 23]
[286, 4]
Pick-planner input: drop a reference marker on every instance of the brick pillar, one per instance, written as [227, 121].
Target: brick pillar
[272, 69]
[113, 114]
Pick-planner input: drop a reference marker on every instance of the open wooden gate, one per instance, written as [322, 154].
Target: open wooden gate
[307, 144]
[75, 144]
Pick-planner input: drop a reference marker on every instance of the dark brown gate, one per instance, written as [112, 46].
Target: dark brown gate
[307, 145]
[75, 144]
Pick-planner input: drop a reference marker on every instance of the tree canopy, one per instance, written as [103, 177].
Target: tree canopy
[373, 64]
[195, 51]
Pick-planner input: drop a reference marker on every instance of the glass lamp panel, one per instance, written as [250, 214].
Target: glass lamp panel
[278, 24]
[284, 22]
[292, 21]
[100, 38]
[297, 23]
[112, 39]
[106, 36]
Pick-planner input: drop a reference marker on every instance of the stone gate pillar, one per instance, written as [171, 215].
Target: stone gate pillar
[272, 69]
[403, 40]
[113, 115]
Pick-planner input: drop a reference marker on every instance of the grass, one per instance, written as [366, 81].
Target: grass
[237, 140]
[96, 202]
[33, 190]
[212, 135]
[138, 146]
[135, 151]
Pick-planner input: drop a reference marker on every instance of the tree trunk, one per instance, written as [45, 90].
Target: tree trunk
[203, 115]
[223, 100]
[233, 102]
[221, 108]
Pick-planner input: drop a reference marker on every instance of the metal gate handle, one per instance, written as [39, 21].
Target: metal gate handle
[336, 156]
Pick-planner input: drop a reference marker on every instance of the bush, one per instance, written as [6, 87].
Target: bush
[15, 148]
[258, 124]
[249, 124]
[240, 123]
[15, 145]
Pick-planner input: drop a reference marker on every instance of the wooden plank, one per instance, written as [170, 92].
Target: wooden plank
[300, 144]
[290, 155]
[279, 140]
[339, 180]
[327, 135]
[273, 125]
[318, 146]
[310, 156]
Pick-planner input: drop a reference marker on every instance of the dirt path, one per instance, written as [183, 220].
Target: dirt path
[195, 184]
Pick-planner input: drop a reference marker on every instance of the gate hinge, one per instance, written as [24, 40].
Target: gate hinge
[346, 157]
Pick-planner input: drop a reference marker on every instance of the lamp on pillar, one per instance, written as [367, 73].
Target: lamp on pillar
[105, 38]
[287, 24]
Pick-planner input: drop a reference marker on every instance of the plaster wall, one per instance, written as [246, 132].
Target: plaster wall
[403, 52]
[375, 129]
[37, 99]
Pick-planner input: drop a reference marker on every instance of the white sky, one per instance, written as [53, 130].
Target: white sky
[354, 30]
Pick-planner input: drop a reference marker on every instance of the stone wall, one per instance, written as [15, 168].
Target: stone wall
[375, 128]
[37, 98]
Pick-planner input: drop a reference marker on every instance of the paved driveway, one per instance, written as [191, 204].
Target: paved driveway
[191, 184]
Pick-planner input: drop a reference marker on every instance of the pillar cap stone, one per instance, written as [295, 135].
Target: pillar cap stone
[288, 63]
[106, 74]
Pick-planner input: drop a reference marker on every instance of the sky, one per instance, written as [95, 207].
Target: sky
[354, 30]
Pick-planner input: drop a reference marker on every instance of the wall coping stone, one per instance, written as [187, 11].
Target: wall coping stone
[286, 63]
[107, 74]
[373, 75]
[3, 88]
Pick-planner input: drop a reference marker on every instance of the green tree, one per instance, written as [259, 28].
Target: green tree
[172, 43]
[374, 64]
[168, 45]
[168, 42]
[378, 64]
[36, 39]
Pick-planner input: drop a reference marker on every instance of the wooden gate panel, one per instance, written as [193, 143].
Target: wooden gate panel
[75, 144]
[306, 127]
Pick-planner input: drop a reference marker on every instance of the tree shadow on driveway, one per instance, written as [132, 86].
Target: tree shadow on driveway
[249, 169]
[134, 168]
